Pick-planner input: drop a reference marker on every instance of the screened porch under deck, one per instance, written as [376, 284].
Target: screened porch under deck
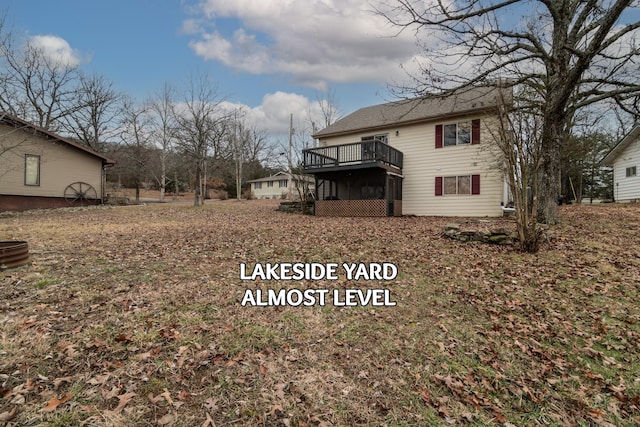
[358, 179]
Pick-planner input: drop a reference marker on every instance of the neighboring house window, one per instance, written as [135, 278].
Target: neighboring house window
[457, 185]
[462, 133]
[631, 171]
[258, 185]
[270, 184]
[31, 170]
[283, 183]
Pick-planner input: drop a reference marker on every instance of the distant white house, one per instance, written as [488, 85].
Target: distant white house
[282, 185]
[625, 159]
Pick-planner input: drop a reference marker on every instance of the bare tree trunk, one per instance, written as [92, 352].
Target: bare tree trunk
[163, 178]
[549, 180]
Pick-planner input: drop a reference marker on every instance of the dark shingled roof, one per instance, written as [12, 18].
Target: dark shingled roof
[416, 110]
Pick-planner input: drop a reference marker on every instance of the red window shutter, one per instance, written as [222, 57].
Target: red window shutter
[475, 184]
[438, 136]
[475, 131]
[438, 186]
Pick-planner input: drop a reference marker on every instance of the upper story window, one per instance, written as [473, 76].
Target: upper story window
[461, 133]
[258, 185]
[631, 171]
[31, 170]
[282, 183]
[270, 184]
[457, 134]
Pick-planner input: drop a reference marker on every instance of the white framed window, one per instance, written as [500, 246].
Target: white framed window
[258, 185]
[282, 183]
[457, 134]
[457, 185]
[631, 171]
[270, 184]
[31, 170]
[461, 133]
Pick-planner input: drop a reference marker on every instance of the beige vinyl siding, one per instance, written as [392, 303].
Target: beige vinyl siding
[423, 162]
[60, 165]
[627, 188]
[266, 192]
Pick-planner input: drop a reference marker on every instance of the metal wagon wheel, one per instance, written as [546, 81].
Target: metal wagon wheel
[80, 193]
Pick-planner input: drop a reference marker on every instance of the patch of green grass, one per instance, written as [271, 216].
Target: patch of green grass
[43, 283]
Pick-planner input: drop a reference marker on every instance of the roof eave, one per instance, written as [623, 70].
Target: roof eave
[18, 121]
[455, 114]
[613, 154]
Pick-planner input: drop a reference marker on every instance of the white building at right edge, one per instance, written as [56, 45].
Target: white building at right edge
[625, 160]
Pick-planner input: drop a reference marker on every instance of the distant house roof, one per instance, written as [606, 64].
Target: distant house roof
[19, 123]
[613, 154]
[281, 175]
[416, 110]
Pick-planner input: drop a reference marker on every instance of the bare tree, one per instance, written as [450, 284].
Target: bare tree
[201, 126]
[570, 54]
[11, 137]
[35, 86]
[248, 147]
[518, 137]
[238, 141]
[94, 114]
[164, 127]
[136, 135]
[328, 108]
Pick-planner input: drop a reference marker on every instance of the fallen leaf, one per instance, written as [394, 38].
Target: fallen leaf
[54, 402]
[166, 419]
[58, 381]
[9, 415]
[167, 396]
[280, 390]
[123, 338]
[211, 404]
[123, 400]
[208, 422]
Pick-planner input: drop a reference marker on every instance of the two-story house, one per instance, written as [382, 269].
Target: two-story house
[424, 156]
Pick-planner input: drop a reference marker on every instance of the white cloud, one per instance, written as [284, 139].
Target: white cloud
[316, 41]
[56, 49]
[274, 113]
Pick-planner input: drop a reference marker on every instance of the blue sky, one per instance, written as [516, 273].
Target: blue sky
[275, 57]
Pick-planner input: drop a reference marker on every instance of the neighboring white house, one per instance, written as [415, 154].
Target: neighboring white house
[625, 159]
[426, 156]
[40, 169]
[282, 185]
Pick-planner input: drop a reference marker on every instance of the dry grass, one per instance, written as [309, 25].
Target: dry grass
[132, 316]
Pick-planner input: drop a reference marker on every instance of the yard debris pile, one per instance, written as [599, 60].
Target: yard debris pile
[133, 317]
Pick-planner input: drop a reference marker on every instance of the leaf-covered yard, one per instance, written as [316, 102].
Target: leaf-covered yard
[132, 316]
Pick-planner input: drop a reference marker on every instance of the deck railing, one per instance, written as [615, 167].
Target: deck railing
[354, 154]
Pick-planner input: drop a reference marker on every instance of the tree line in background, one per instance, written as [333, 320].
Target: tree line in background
[183, 137]
[567, 62]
